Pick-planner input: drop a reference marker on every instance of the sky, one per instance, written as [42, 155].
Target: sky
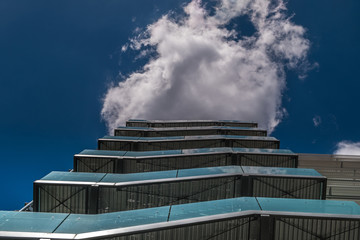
[73, 70]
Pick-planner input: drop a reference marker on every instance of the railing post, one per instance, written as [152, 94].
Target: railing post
[266, 227]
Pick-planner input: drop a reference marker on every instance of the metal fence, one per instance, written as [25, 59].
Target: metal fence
[102, 197]
[127, 164]
[152, 144]
[169, 132]
[189, 123]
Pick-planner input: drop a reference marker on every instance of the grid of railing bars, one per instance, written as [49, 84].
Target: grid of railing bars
[114, 144]
[62, 198]
[299, 228]
[168, 124]
[108, 164]
[187, 132]
[101, 199]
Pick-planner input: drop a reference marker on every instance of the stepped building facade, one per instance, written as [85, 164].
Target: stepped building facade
[192, 180]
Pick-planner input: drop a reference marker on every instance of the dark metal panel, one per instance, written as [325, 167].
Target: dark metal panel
[267, 227]
[288, 187]
[62, 199]
[95, 164]
[164, 194]
[232, 229]
[126, 165]
[184, 144]
[316, 228]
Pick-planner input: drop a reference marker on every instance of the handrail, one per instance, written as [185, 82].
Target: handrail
[27, 207]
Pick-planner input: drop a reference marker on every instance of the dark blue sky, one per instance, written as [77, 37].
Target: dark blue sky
[57, 59]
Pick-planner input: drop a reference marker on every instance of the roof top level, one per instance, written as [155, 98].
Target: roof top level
[187, 123]
[188, 131]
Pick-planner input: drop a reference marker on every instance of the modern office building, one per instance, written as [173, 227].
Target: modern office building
[192, 180]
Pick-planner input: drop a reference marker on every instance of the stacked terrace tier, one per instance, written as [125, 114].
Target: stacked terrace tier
[246, 218]
[131, 162]
[184, 180]
[100, 192]
[188, 131]
[187, 123]
[121, 143]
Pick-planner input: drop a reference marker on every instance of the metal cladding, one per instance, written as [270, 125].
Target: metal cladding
[187, 123]
[187, 131]
[74, 192]
[120, 143]
[131, 162]
[223, 180]
[235, 218]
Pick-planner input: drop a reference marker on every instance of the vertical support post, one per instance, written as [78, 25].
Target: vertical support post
[254, 228]
[296, 161]
[93, 199]
[266, 227]
[35, 197]
[324, 185]
[245, 190]
[118, 165]
[234, 159]
[75, 164]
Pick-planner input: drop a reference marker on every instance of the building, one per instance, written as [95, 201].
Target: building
[192, 180]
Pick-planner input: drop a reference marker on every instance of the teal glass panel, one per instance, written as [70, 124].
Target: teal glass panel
[74, 176]
[202, 209]
[280, 171]
[188, 137]
[137, 120]
[161, 138]
[120, 138]
[249, 137]
[135, 128]
[153, 153]
[207, 150]
[139, 176]
[195, 128]
[6, 214]
[210, 171]
[102, 152]
[262, 150]
[205, 137]
[309, 206]
[229, 137]
[184, 151]
[232, 121]
[80, 223]
[31, 221]
[235, 128]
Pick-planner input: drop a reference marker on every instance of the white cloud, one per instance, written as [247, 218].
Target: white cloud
[316, 120]
[347, 148]
[203, 71]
